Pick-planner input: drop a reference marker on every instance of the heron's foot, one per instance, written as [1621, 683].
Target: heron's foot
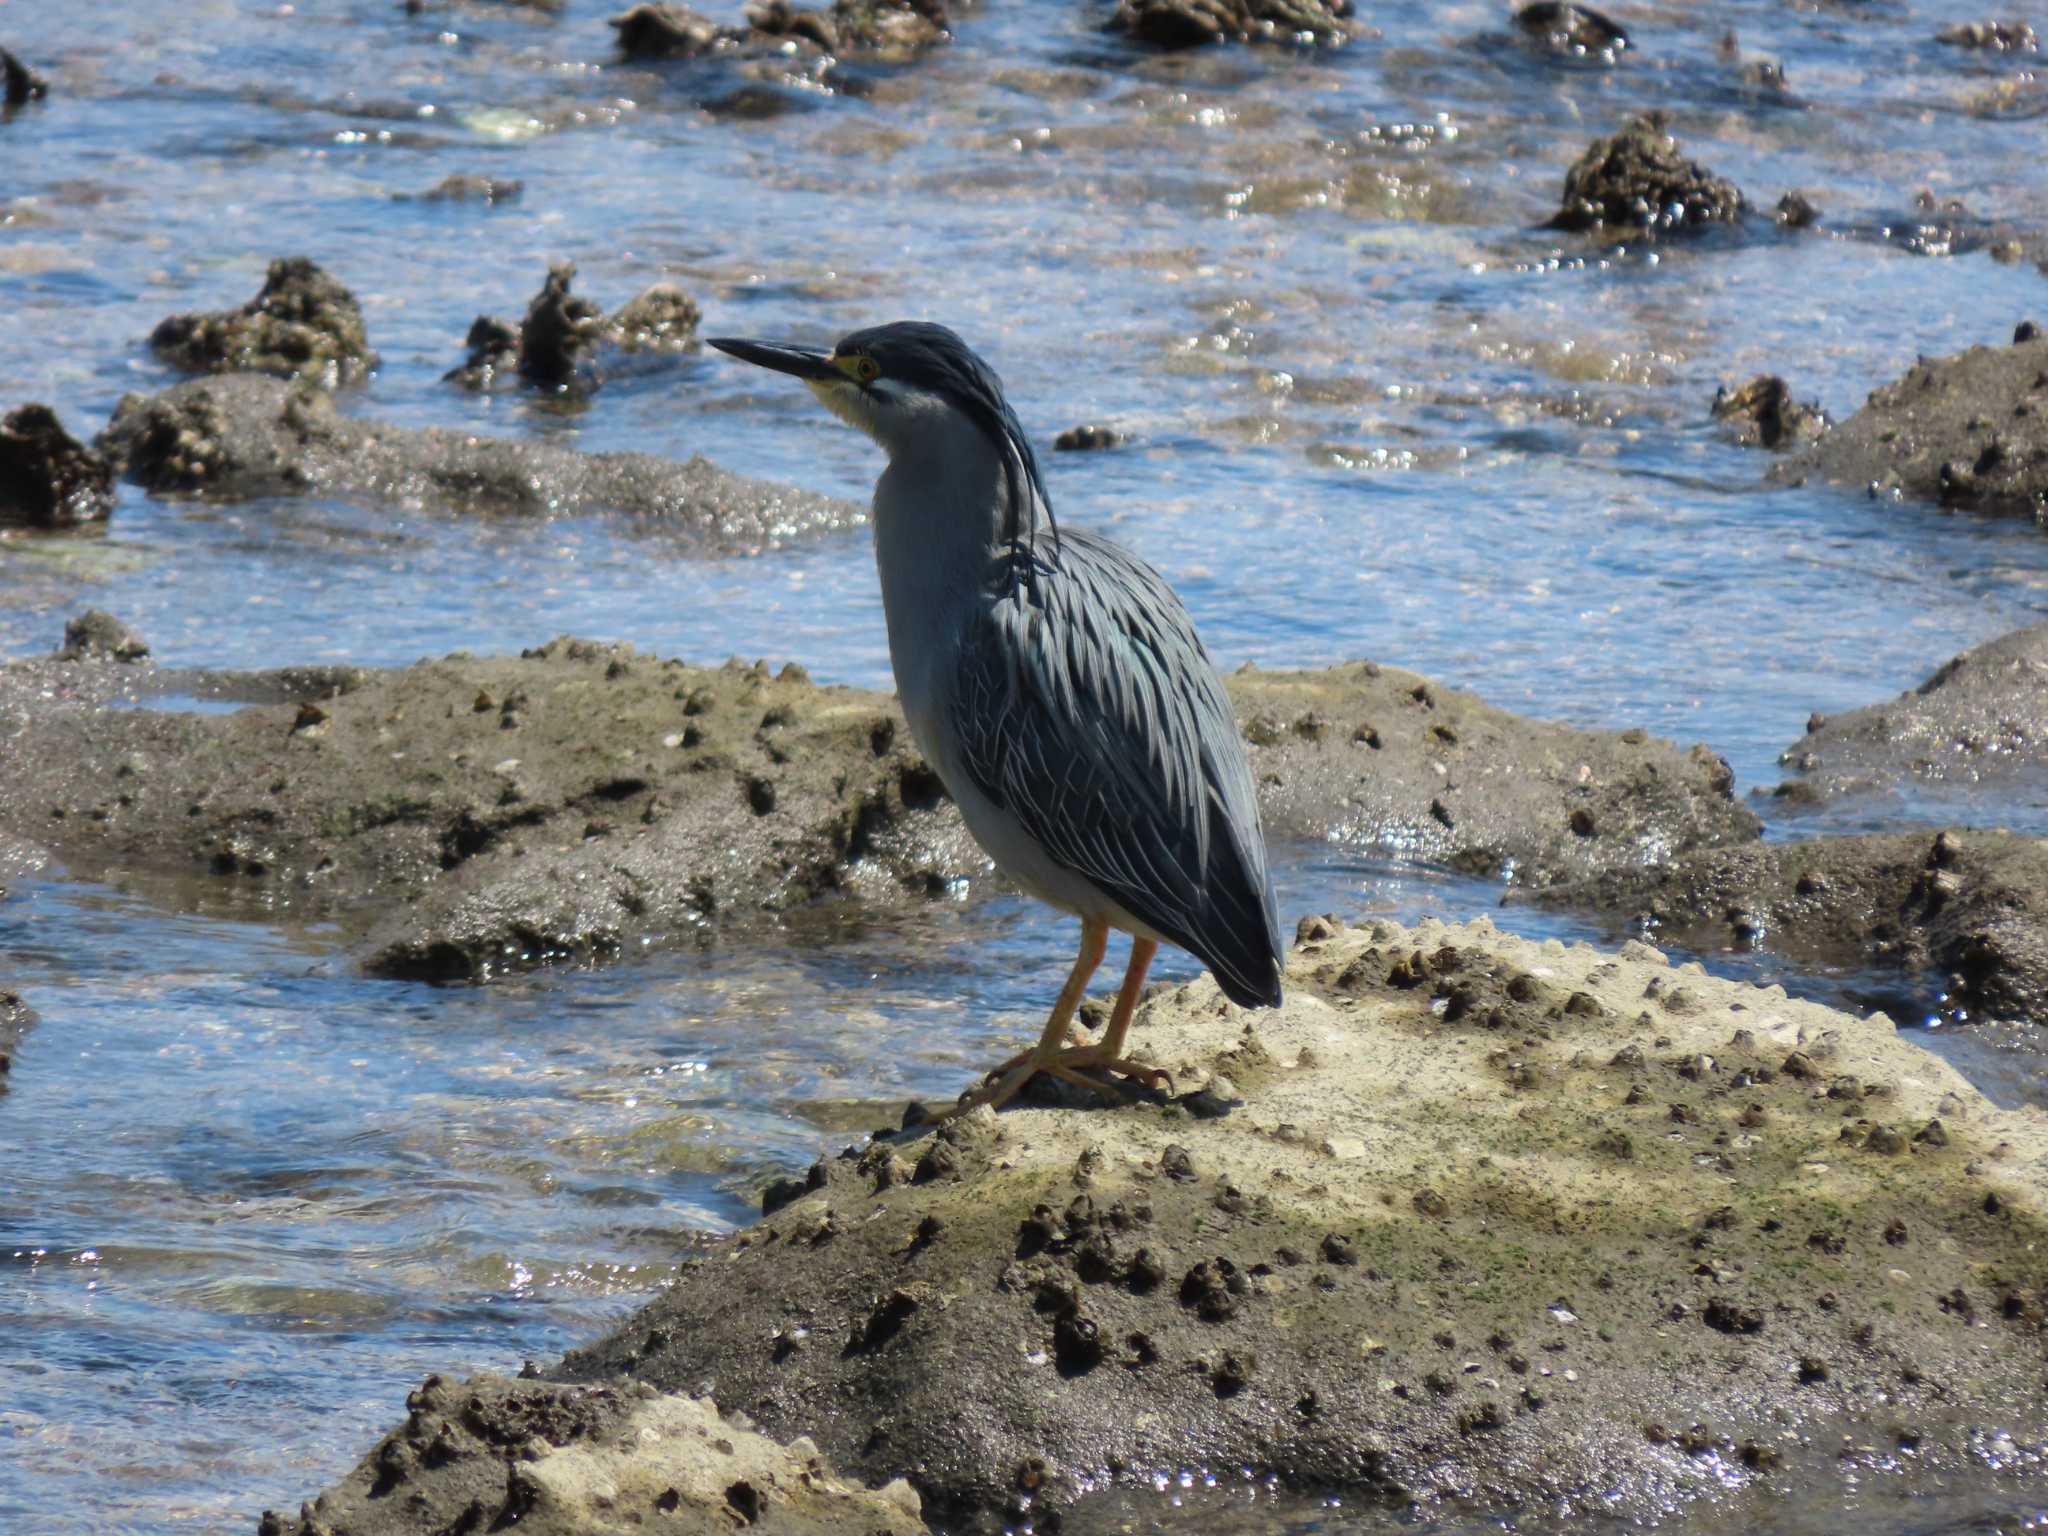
[1080, 1065]
[1074, 1064]
[1075, 1037]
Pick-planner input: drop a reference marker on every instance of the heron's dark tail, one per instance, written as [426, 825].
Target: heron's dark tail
[1240, 924]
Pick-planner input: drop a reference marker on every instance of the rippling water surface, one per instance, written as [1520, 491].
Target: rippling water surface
[248, 1194]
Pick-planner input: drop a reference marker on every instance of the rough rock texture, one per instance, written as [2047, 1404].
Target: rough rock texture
[661, 318]
[16, 1017]
[470, 815]
[98, 635]
[1384, 758]
[1763, 414]
[1636, 180]
[245, 435]
[48, 479]
[1571, 31]
[1982, 716]
[19, 85]
[302, 325]
[1969, 430]
[1086, 438]
[1971, 907]
[1992, 36]
[552, 347]
[1469, 1215]
[1174, 24]
[555, 1460]
[466, 188]
[876, 28]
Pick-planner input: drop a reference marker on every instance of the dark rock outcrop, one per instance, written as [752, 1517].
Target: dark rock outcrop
[247, 435]
[1175, 24]
[1763, 414]
[1969, 430]
[303, 325]
[555, 1460]
[1638, 181]
[48, 479]
[97, 635]
[1468, 1213]
[19, 85]
[553, 347]
[469, 816]
[883, 28]
[1571, 31]
[1983, 717]
[1968, 907]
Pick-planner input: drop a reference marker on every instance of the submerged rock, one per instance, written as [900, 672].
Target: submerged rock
[555, 1460]
[1637, 180]
[464, 188]
[303, 324]
[48, 479]
[246, 435]
[1969, 431]
[1175, 24]
[1763, 413]
[470, 816]
[1969, 906]
[1982, 717]
[1468, 1214]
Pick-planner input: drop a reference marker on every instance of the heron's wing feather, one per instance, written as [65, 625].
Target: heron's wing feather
[1088, 709]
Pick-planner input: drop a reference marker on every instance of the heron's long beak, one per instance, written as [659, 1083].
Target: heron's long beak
[804, 362]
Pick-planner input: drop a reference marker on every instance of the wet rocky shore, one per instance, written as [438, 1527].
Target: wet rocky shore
[1468, 1217]
[1496, 1198]
[1475, 1220]
[470, 816]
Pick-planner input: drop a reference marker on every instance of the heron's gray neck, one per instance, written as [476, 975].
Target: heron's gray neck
[939, 515]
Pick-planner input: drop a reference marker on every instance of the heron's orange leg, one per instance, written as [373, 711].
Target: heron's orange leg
[1073, 1063]
[1094, 941]
[1107, 1054]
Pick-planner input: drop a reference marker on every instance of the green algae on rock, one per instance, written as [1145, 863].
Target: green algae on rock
[1468, 1216]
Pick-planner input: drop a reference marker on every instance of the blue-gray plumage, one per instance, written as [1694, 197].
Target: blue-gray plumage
[1057, 685]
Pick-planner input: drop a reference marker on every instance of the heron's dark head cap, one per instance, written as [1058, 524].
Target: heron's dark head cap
[885, 379]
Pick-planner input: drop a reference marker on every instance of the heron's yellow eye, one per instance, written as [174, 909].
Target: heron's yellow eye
[859, 367]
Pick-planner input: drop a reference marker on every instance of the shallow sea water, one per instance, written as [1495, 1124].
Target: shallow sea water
[249, 1197]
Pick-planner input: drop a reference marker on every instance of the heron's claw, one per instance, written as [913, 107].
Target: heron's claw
[1074, 1064]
